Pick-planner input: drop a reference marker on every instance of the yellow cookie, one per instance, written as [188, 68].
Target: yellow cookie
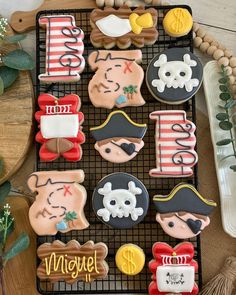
[178, 22]
[130, 259]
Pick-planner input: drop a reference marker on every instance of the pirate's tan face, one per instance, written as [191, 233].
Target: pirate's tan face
[119, 150]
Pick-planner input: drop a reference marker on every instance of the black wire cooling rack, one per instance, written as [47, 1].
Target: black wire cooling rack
[147, 232]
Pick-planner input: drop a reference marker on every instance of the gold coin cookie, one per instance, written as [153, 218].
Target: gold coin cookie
[178, 22]
[130, 259]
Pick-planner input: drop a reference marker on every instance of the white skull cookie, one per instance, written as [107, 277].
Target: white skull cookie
[174, 75]
[120, 200]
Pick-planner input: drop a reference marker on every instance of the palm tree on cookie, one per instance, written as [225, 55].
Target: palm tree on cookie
[130, 90]
[70, 217]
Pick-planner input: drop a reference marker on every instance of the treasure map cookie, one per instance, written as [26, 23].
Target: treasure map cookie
[117, 80]
[60, 124]
[119, 139]
[72, 262]
[120, 200]
[178, 22]
[184, 212]
[173, 269]
[123, 27]
[59, 203]
[130, 259]
[64, 49]
[174, 75]
[175, 143]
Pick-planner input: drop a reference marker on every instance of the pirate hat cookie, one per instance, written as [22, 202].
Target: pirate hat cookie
[119, 139]
[184, 212]
[174, 75]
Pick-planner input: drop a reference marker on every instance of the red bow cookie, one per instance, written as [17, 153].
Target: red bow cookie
[60, 127]
[173, 269]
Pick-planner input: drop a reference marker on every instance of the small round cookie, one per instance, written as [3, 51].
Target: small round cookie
[130, 259]
[120, 200]
[178, 22]
[174, 75]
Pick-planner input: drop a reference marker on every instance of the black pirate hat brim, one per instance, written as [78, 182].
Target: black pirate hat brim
[118, 124]
[185, 198]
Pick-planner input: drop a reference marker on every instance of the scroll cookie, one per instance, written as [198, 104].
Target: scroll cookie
[60, 124]
[173, 269]
[120, 200]
[64, 49]
[183, 214]
[119, 139]
[130, 259]
[123, 27]
[72, 262]
[175, 142]
[178, 22]
[174, 75]
[117, 80]
[59, 203]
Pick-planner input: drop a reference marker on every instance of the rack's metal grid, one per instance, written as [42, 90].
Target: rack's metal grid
[148, 231]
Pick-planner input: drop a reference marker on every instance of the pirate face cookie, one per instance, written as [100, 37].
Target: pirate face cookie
[123, 27]
[173, 269]
[119, 139]
[184, 212]
[120, 200]
[174, 75]
[117, 80]
[59, 203]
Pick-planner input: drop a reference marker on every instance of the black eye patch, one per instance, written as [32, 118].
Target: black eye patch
[128, 148]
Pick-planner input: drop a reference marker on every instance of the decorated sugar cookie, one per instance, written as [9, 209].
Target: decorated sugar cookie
[117, 80]
[64, 49]
[184, 213]
[175, 142]
[178, 22]
[120, 200]
[173, 269]
[130, 259]
[119, 139]
[123, 27]
[174, 75]
[60, 124]
[59, 204]
[72, 262]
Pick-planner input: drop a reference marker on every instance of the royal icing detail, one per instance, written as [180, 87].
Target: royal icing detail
[72, 262]
[60, 124]
[173, 269]
[64, 49]
[119, 139]
[120, 200]
[130, 259]
[183, 214]
[123, 27]
[59, 203]
[175, 143]
[117, 80]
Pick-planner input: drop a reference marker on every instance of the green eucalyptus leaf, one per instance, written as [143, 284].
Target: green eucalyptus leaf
[1, 86]
[18, 59]
[18, 246]
[1, 166]
[15, 38]
[223, 88]
[4, 191]
[224, 142]
[226, 125]
[223, 80]
[225, 96]
[222, 116]
[233, 167]
[8, 75]
[230, 104]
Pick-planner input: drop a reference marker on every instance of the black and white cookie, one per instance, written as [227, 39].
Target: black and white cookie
[174, 75]
[120, 200]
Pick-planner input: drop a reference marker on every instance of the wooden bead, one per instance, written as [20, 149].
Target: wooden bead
[215, 43]
[218, 54]
[228, 70]
[119, 3]
[197, 42]
[196, 27]
[128, 3]
[208, 38]
[204, 46]
[100, 3]
[201, 33]
[211, 50]
[234, 72]
[109, 3]
[221, 47]
[232, 62]
[228, 53]
[232, 79]
[223, 61]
